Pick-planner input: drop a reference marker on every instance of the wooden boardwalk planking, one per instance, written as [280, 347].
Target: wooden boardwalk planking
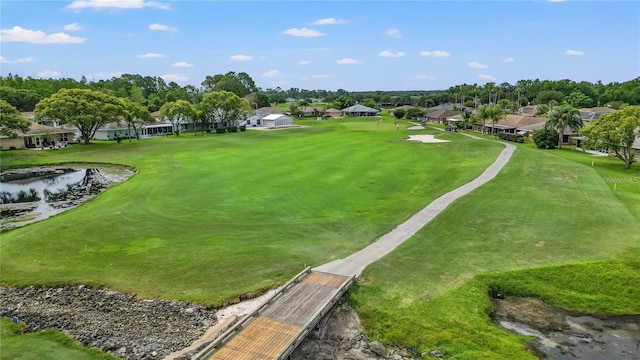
[325, 279]
[262, 339]
[280, 323]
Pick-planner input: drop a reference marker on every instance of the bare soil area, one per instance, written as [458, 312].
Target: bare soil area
[563, 334]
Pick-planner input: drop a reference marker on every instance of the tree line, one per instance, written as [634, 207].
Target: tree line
[152, 92]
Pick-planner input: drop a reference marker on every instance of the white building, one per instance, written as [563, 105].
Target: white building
[276, 120]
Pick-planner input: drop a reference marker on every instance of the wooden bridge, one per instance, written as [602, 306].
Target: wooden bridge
[278, 326]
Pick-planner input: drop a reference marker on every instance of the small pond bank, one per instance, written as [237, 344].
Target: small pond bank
[32, 194]
[566, 335]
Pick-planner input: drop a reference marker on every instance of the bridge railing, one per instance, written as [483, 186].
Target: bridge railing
[245, 320]
[318, 315]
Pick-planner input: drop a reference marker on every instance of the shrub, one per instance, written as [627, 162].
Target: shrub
[511, 137]
[545, 138]
[12, 148]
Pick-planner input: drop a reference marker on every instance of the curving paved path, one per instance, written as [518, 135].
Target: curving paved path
[356, 262]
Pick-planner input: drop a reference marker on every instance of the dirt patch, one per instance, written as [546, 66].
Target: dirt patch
[563, 334]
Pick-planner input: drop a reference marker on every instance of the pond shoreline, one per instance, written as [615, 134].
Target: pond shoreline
[563, 334]
[33, 208]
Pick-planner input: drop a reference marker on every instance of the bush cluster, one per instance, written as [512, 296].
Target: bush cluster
[545, 138]
[511, 137]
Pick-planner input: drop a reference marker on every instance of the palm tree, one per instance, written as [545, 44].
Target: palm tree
[563, 117]
[467, 115]
[484, 113]
[495, 114]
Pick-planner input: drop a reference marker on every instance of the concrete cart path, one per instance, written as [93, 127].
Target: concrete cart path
[356, 262]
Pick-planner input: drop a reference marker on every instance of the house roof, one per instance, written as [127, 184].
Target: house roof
[311, 109]
[269, 110]
[441, 107]
[521, 120]
[274, 116]
[359, 108]
[37, 129]
[594, 113]
[529, 110]
[441, 114]
[403, 107]
[332, 110]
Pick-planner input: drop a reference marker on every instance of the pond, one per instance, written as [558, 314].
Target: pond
[34, 194]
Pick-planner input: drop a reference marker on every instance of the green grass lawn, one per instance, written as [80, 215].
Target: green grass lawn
[541, 210]
[46, 345]
[209, 219]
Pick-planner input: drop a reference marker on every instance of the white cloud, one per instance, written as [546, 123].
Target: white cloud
[241, 57]
[182, 64]
[73, 27]
[174, 77]
[116, 4]
[150, 56]
[347, 61]
[330, 21]
[395, 33]
[477, 65]
[573, 52]
[435, 53]
[508, 60]
[320, 76]
[304, 62]
[391, 55]
[486, 77]
[24, 60]
[104, 75]
[160, 27]
[48, 74]
[271, 74]
[18, 34]
[4, 60]
[304, 32]
[425, 77]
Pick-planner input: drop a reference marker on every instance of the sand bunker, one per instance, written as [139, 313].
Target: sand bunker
[426, 139]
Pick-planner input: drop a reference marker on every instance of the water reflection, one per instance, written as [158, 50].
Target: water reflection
[39, 197]
[22, 196]
[50, 188]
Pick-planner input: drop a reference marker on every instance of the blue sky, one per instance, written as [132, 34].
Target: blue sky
[351, 45]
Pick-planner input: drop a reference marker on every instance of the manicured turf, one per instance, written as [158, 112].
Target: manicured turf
[541, 210]
[211, 218]
[208, 219]
[46, 345]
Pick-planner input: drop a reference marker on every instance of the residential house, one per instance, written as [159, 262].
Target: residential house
[515, 124]
[256, 119]
[589, 114]
[439, 116]
[308, 111]
[38, 136]
[359, 110]
[334, 113]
